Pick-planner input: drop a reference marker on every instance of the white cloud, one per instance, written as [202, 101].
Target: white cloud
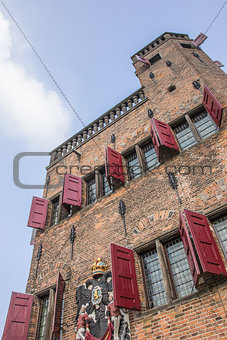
[29, 111]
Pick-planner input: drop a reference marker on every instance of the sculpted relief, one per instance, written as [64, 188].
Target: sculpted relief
[97, 317]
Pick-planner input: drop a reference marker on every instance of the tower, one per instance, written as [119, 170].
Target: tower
[142, 192]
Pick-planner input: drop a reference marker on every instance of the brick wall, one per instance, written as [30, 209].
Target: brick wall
[152, 205]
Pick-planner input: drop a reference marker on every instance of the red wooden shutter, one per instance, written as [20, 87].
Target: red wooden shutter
[205, 244]
[18, 317]
[72, 190]
[199, 40]
[38, 213]
[190, 253]
[125, 287]
[56, 328]
[163, 139]
[113, 165]
[212, 106]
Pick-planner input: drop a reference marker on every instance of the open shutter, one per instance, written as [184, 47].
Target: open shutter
[205, 244]
[72, 190]
[56, 328]
[18, 317]
[199, 40]
[190, 253]
[163, 140]
[113, 165]
[38, 213]
[125, 287]
[212, 105]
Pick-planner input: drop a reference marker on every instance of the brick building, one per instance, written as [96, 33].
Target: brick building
[134, 188]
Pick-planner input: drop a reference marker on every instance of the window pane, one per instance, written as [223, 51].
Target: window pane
[43, 317]
[154, 281]
[133, 166]
[91, 191]
[150, 156]
[55, 207]
[184, 136]
[221, 229]
[62, 314]
[180, 269]
[204, 124]
[106, 187]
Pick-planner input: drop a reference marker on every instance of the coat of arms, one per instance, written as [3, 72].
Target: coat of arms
[97, 317]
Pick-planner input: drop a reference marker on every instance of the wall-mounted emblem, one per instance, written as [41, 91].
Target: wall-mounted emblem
[96, 295]
[97, 317]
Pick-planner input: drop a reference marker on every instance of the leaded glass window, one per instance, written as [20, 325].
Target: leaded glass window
[105, 186]
[150, 156]
[134, 170]
[154, 280]
[204, 124]
[43, 317]
[180, 268]
[184, 136]
[221, 230]
[91, 191]
[54, 213]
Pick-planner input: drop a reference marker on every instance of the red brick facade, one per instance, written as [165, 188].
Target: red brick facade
[152, 206]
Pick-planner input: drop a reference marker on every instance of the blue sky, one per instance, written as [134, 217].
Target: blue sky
[87, 46]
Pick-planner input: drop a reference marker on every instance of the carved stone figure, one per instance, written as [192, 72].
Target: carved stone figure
[82, 324]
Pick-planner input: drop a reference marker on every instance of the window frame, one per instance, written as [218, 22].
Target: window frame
[100, 173]
[155, 58]
[87, 179]
[61, 207]
[218, 236]
[160, 245]
[46, 330]
[51, 200]
[188, 118]
[127, 154]
[138, 149]
[215, 215]
[50, 292]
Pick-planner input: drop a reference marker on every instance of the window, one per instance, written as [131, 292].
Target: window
[150, 155]
[180, 270]
[133, 166]
[98, 185]
[105, 188]
[194, 129]
[154, 279]
[55, 211]
[220, 226]
[60, 211]
[184, 136]
[154, 59]
[43, 317]
[141, 159]
[186, 45]
[204, 124]
[91, 190]
[51, 311]
[176, 270]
